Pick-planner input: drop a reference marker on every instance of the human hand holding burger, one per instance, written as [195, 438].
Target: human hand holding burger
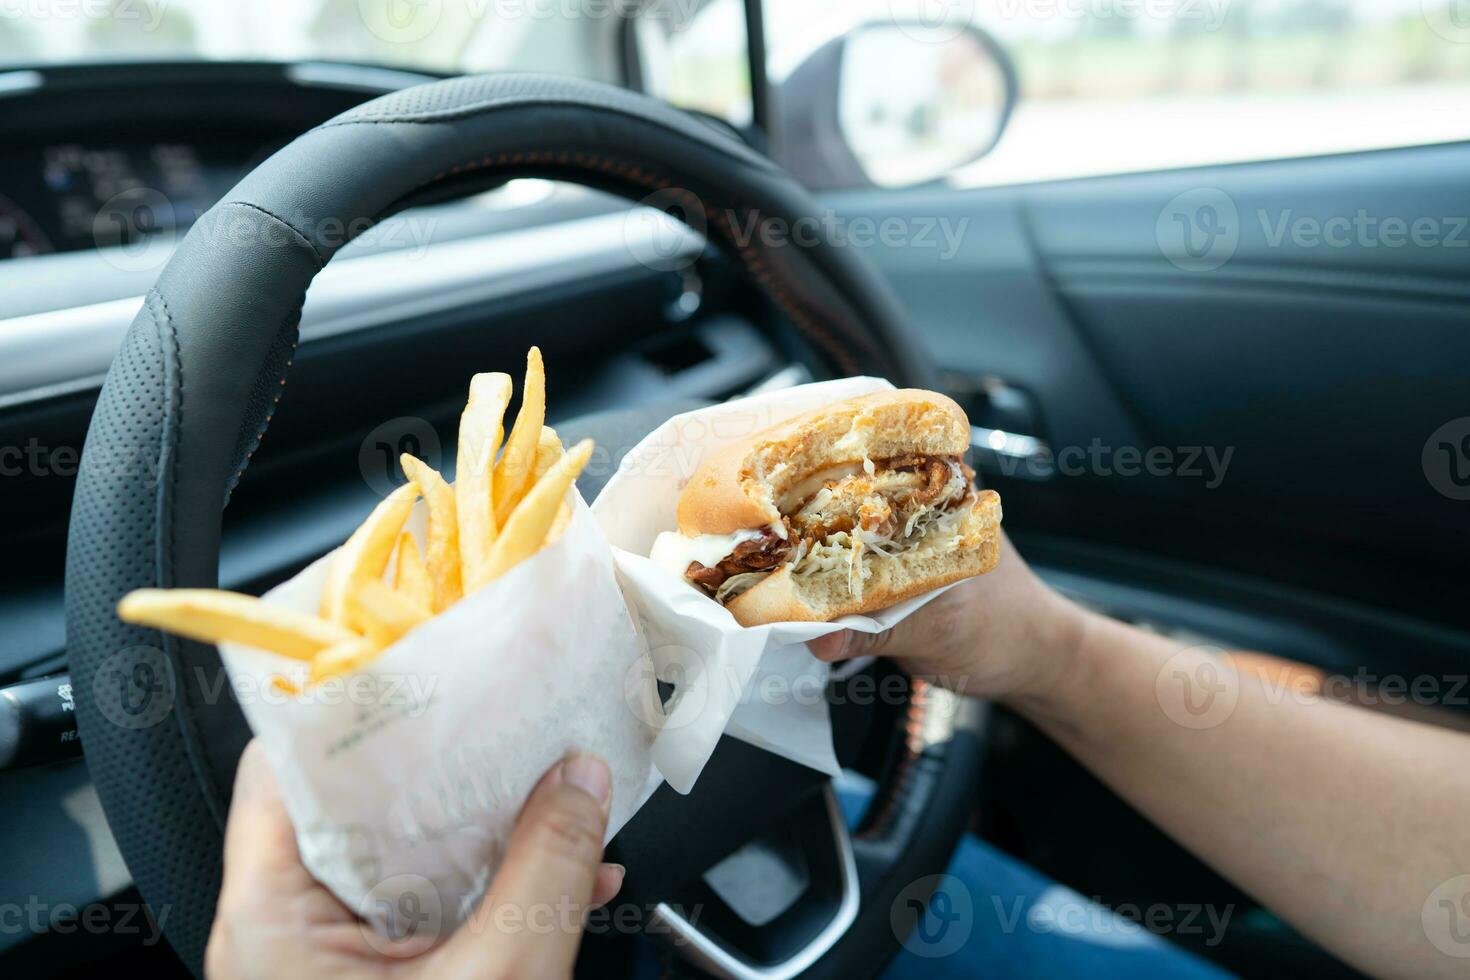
[859, 505]
[1005, 635]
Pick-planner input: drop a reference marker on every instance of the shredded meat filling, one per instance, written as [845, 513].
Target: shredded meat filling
[875, 511]
[939, 475]
[881, 500]
[936, 471]
[756, 555]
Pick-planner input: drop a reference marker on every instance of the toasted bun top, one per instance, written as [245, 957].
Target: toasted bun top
[738, 486]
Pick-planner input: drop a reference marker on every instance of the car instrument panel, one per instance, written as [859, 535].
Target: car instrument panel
[69, 196]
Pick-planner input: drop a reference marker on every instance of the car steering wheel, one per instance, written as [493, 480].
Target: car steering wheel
[186, 404]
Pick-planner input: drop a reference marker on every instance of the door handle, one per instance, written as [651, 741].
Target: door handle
[1006, 436]
[1013, 454]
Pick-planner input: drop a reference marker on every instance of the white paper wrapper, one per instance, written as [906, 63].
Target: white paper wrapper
[760, 684]
[403, 781]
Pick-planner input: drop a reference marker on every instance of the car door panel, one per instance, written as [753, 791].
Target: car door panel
[1321, 367]
[1320, 364]
[982, 300]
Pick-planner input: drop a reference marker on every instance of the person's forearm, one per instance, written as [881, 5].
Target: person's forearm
[1342, 821]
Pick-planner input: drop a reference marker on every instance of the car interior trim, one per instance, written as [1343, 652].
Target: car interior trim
[710, 955]
[70, 349]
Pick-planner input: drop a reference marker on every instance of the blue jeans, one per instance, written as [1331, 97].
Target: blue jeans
[995, 917]
[992, 916]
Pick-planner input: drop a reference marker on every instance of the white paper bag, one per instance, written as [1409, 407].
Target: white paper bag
[404, 779]
[759, 684]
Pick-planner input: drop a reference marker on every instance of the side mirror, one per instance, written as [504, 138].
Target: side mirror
[893, 104]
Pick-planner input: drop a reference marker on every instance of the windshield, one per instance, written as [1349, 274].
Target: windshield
[436, 35]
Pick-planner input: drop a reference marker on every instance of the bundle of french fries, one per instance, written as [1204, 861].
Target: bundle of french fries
[498, 512]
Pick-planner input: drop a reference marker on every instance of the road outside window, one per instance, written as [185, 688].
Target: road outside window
[1119, 86]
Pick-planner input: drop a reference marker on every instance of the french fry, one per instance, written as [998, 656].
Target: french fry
[513, 472]
[480, 430]
[558, 525]
[525, 531]
[284, 686]
[341, 659]
[383, 614]
[410, 576]
[495, 516]
[215, 616]
[548, 451]
[366, 553]
[442, 549]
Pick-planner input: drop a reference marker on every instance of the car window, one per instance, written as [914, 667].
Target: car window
[694, 53]
[571, 37]
[1118, 86]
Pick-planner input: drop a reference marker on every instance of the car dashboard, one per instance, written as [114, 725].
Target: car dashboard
[101, 167]
[74, 196]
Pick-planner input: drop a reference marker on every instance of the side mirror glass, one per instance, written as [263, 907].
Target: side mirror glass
[893, 105]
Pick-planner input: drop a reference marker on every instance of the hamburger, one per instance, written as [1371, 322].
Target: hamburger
[846, 509]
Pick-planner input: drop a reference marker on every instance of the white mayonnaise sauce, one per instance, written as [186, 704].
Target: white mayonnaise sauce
[674, 551]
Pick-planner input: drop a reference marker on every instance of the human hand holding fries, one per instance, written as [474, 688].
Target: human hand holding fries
[276, 921]
[496, 515]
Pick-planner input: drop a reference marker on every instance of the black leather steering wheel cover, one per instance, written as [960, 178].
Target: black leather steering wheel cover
[195, 384]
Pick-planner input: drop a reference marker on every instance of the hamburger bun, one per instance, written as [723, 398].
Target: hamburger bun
[741, 485]
[893, 455]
